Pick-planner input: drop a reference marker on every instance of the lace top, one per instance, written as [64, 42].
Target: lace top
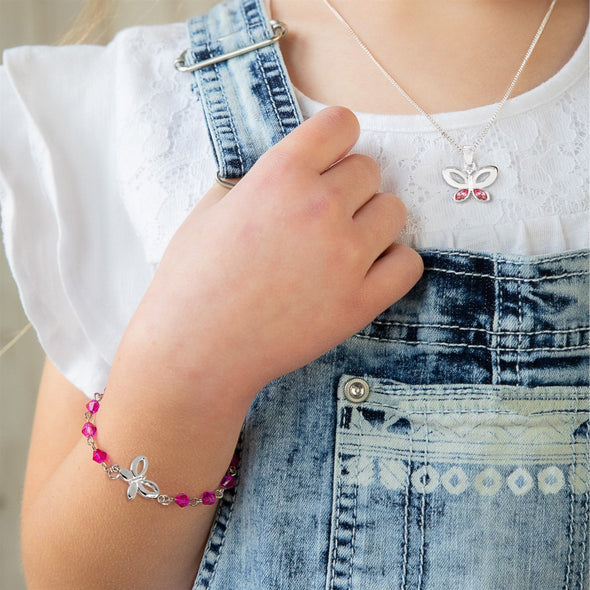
[104, 151]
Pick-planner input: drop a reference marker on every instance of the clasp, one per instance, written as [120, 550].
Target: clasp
[279, 30]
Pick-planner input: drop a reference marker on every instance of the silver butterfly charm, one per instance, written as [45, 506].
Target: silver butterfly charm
[137, 480]
[470, 180]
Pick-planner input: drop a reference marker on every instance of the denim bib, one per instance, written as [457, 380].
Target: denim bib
[446, 446]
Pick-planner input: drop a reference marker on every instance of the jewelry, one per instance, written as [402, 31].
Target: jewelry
[224, 182]
[471, 180]
[279, 30]
[135, 476]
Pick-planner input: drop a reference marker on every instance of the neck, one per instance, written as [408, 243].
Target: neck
[422, 45]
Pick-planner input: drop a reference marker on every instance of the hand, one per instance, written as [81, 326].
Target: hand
[265, 278]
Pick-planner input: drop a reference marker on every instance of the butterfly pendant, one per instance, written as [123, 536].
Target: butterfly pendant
[137, 481]
[470, 181]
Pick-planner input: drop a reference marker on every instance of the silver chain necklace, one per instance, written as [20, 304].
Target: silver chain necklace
[471, 180]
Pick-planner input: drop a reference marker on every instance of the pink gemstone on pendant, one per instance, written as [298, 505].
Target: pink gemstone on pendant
[182, 500]
[88, 429]
[227, 482]
[480, 194]
[93, 406]
[99, 456]
[209, 498]
[462, 194]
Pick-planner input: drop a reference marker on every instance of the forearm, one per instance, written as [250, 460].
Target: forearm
[81, 531]
[253, 285]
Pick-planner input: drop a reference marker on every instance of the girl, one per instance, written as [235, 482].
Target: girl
[442, 445]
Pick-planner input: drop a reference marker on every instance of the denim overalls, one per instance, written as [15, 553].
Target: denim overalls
[446, 445]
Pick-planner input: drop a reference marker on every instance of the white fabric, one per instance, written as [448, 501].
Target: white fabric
[104, 151]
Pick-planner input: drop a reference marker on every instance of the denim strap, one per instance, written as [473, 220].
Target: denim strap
[248, 100]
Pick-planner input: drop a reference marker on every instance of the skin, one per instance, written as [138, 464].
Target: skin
[449, 56]
[305, 246]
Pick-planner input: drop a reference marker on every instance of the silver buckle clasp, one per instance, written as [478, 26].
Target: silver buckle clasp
[279, 30]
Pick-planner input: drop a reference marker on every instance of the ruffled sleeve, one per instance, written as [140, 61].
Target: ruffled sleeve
[79, 264]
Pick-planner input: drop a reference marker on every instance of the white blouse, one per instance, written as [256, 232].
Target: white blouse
[104, 151]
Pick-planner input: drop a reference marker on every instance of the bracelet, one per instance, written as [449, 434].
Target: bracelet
[135, 476]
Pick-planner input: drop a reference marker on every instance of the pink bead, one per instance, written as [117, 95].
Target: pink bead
[99, 456]
[227, 482]
[93, 406]
[88, 429]
[209, 498]
[182, 500]
[235, 461]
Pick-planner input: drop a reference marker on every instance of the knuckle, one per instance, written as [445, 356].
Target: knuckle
[371, 166]
[413, 262]
[365, 166]
[389, 213]
[341, 117]
[417, 263]
[399, 209]
[393, 210]
[355, 255]
[325, 203]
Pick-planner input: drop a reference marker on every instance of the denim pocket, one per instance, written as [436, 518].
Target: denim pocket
[466, 487]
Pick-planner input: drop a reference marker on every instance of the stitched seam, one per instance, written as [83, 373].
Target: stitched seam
[407, 412]
[208, 581]
[585, 511]
[232, 124]
[571, 510]
[491, 332]
[406, 513]
[205, 81]
[356, 488]
[443, 398]
[515, 279]
[467, 345]
[289, 94]
[286, 86]
[423, 508]
[270, 94]
[535, 393]
[337, 521]
[496, 323]
[208, 79]
[220, 547]
[263, 73]
[463, 254]
[519, 335]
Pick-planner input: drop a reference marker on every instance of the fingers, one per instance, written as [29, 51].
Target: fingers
[379, 222]
[353, 180]
[392, 276]
[322, 140]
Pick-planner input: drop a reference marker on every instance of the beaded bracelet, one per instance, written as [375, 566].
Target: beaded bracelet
[135, 476]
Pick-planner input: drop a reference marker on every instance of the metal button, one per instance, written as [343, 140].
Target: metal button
[356, 390]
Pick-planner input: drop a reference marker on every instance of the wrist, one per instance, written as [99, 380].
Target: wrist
[196, 369]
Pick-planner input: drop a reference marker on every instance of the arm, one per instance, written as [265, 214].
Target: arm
[292, 261]
[79, 530]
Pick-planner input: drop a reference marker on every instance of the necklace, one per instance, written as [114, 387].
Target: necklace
[471, 180]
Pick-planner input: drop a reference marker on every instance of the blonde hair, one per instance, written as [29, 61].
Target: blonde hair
[91, 24]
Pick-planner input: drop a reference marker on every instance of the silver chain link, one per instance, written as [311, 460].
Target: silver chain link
[432, 120]
[114, 471]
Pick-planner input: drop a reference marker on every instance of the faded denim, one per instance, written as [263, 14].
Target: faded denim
[465, 468]
[248, 102]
